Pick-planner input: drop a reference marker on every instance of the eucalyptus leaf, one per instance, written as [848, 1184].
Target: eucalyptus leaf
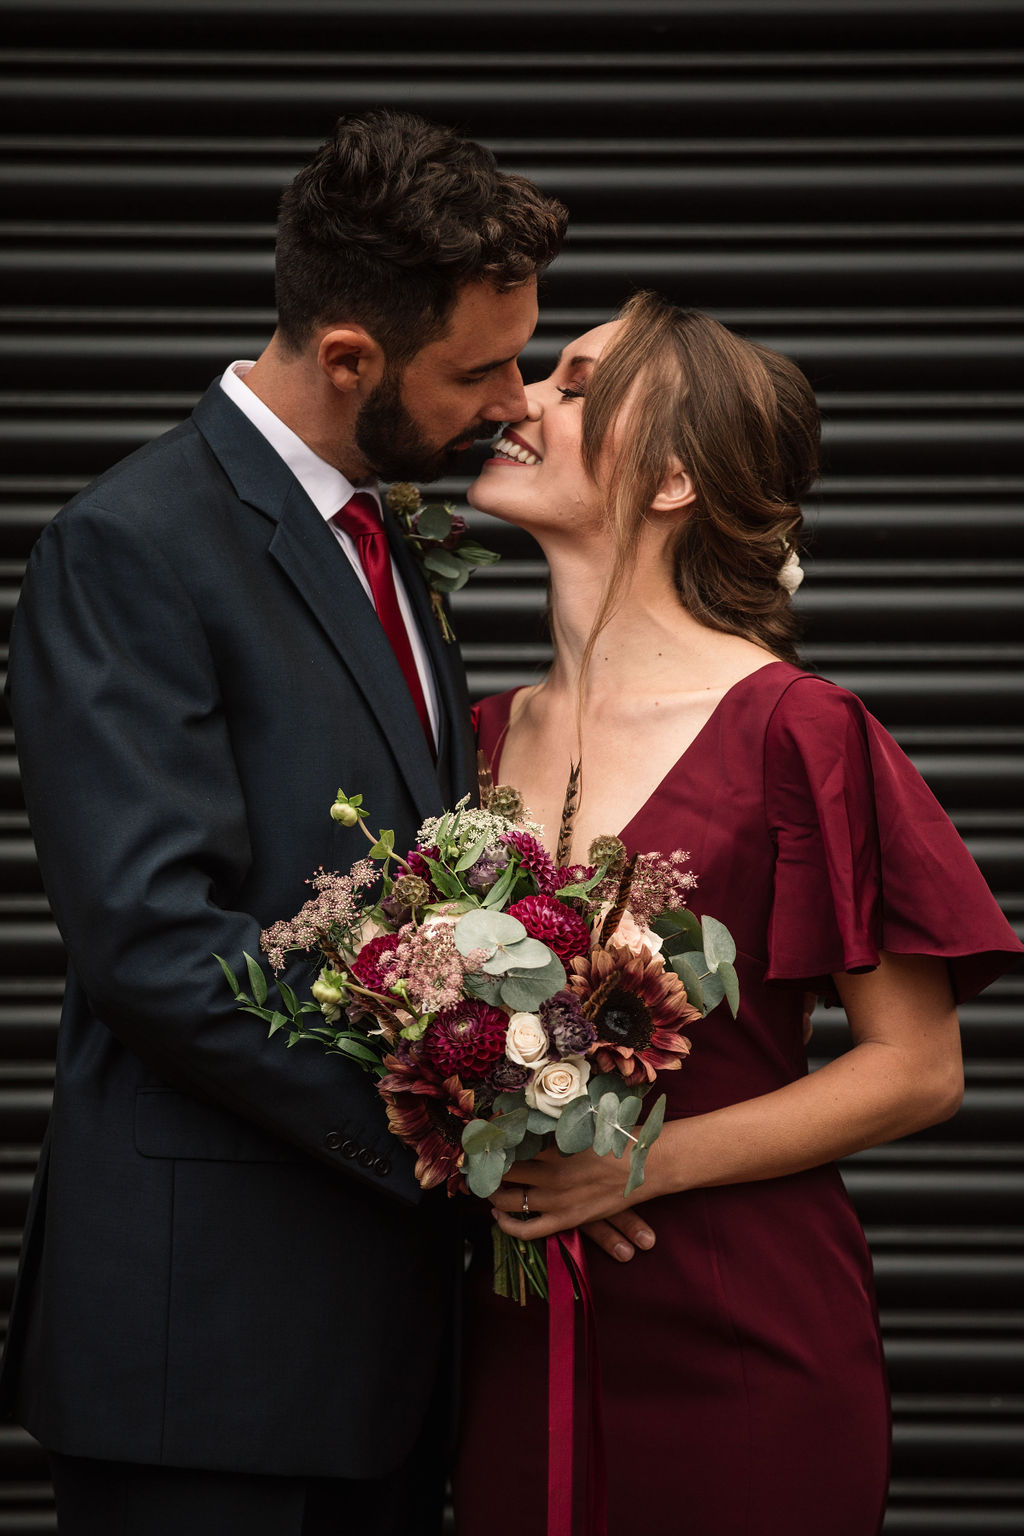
[607, 1082]
[523, 955]
[434, 522]
[482, 929]
[257, 980]
[486, 988]
[450, 583]
[479, 1136]
[651, 1128]
[442, 563]
[541, 1123]
[229, 975]
[636, 1170]
[574, 1129]
[524, 991]
[718, 943]
[714, 991]
[511, 1127]
[484, 1171]
[629, 1111]
[604, 1128]
[682, 928]
[684, 967]
[506, 1103]
[531, 1144]
[731, 984]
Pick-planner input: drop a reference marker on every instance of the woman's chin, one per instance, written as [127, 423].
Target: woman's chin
[484, 497]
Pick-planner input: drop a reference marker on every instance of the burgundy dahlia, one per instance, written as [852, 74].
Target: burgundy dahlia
[550, 920]
[366, 967]
[534, 857]
[466, 1039]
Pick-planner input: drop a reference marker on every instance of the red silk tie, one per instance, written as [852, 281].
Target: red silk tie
[360, 517]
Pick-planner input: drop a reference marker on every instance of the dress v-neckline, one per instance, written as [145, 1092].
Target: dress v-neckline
[656, 791]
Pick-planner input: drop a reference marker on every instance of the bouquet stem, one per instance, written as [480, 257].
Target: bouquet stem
[520, 1267]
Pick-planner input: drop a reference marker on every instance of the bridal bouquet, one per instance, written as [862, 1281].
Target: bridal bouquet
[502, 1001]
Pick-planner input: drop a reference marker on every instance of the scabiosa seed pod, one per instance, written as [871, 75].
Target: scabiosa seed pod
[411, 891]
[404, 499]
[607, 850]
[505, 800]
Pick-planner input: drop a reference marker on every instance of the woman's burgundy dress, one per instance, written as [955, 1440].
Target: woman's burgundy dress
[744, 1386]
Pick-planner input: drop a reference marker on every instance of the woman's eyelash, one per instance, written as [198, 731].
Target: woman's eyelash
[567, 392]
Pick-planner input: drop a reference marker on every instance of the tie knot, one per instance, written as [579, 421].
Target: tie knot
[360, 516]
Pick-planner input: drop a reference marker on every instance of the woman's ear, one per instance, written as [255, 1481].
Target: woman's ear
[676, 490]
[350, 358]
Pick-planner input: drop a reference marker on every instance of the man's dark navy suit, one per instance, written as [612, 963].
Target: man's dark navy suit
[228, 1263]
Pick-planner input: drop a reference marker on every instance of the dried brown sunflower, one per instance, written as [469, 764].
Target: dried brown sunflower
[637, 1006]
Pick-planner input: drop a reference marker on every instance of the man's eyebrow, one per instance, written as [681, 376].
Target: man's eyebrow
[490, 367]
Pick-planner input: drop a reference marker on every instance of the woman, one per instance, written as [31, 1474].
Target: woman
[660, 468]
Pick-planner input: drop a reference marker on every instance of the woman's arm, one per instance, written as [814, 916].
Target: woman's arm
[904, 1072]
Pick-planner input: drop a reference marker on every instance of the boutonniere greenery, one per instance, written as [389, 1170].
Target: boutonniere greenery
[436, 536]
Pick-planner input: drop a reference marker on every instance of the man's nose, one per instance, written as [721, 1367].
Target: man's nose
[512, 404]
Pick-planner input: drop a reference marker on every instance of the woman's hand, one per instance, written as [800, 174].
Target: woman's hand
[565, 1192]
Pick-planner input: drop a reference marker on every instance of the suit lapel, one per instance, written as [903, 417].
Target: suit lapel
[307, 552]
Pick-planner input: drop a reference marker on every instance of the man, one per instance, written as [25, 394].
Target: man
[234, 1306]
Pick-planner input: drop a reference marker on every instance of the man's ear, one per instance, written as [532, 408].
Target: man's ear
[351, 359]
[676, 490]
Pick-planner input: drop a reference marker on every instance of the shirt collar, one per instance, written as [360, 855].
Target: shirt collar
[326, 487]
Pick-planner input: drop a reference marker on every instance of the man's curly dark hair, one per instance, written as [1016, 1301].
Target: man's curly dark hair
[390, 218]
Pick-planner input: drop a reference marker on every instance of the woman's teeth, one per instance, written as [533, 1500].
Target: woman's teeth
[505, 449]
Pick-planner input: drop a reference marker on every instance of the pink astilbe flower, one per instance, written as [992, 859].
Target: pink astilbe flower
[428, 962]
[334, 911]
[660, 884]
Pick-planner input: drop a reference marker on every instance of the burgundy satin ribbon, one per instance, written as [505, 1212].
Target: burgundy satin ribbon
[567, 1278]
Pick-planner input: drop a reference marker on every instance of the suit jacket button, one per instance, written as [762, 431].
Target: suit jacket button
[382, 1166]
[349, 1148]
[332, 1141]
[365, 1158]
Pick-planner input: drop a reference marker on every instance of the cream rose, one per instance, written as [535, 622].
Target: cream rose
[629, 934]
[526, 1041]
[556, 1084]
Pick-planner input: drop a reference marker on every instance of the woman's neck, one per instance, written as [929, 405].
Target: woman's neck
[648, 641]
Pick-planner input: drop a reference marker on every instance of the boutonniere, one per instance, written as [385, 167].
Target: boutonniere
[436, 536]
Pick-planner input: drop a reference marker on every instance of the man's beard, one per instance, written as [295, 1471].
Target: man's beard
[391, 443]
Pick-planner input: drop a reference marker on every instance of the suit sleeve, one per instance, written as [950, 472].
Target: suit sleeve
[140, 824]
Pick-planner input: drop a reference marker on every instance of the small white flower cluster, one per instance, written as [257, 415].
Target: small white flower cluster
[466, 826]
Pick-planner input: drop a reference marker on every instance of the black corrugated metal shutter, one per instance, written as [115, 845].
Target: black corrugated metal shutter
[838, 180]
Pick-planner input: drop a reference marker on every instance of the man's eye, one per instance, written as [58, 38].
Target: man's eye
[568, 392]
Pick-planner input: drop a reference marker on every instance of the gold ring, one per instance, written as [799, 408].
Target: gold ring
[526, 1201]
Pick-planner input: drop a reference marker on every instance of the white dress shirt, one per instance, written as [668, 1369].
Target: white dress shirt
[328, 490]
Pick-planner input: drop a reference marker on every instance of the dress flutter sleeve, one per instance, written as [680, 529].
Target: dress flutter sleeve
[867, 859]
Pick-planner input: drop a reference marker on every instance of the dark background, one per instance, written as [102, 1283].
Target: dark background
[842, 181]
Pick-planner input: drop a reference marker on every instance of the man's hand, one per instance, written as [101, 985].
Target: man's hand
[620, 1236]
